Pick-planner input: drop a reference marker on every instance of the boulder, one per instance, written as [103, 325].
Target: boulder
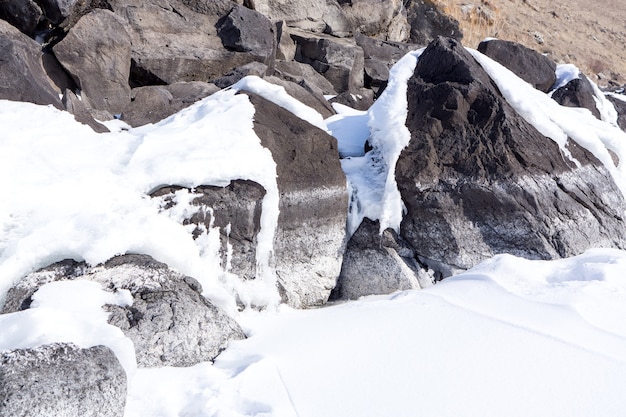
[22, 76]
[310, 238]
[23, 14]
[376, 263]
[428, 21]
[304, 75]
[531, 66]
[152, 104]
[359, 100]
[285, 47]
[62, 380]
[478, 180]
[236, 210]
[340, 61]
[382, 19]
[178, 40]
[311, 97]
[170, 322]
[620, 107]
[230, 78]
[82, 113]
[577, 93]
[97, 52]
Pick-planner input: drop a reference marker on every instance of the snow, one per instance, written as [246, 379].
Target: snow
[564, 74]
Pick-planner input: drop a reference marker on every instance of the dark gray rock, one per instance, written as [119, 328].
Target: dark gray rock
[97, 52]
[22, 76]
[236, 210]
[340, 61]
[620, 107]
[61, 380]
[386, 20]
[154, 103]
[310, 239]
[360, 100]
[311, 97]
[428, 21]
[244, 30]
[478, 180]
[23, 14]
[170, 322]
[531, 66]
[304, 75]
[376, 263]
[577, 93]
[253, 68]
[81, 112]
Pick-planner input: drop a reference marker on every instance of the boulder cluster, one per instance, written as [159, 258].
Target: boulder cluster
[476, 178]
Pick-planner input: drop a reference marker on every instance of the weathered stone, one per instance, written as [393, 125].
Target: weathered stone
[382, 19]
[154, 103]
[428, 21]
[312, 98]
[376, 263]
[577, 93]
[253, 68]
[170, 322]
[340, 61]
[23, 14]
[61, 380]
[359, 100]
[304, 75]
[244, 30]
[22, 76]
[97, 52]
[531, 66]
[478, 180]
[81, 112]
[310, 238]
[620, 107]
[285, 47]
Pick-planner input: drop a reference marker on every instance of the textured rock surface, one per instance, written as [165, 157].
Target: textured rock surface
[22, 76]
[577, 93]
[478, 180]
[96, 52]
[170, 322]
[310, 239]
[61, 380]
[82, 113]
[620, 107]
[311, 97]
[253, 68]
[244, 30]
[385, 20]
[427, 22]
[23, 14]
[377, 264]
[529, 65]
[305, 75]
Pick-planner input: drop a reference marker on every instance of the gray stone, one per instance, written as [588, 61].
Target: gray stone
[97, 52]
[620, 107]
[382, 19]
[340, 61]
[244, 30]
[61, 380]
[310, 239]
[478, 180]
[310, 97]
[22, 76]
[531, 66]
[170, 322]
[359, 100]
[253, 68]
[304, 75]
[23, 14]
[428, 21]
[285, 47]
[376, 263]
[577, 93]
[81, 112]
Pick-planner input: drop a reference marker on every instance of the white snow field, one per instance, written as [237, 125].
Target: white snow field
[510, 337]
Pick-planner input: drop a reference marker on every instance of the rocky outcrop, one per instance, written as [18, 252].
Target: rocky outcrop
[386, 20]
[427, 21]
[478, 180]
[310, 96]
[531, 66]
[169, 322]
[304, 75]
[376, 263]
[577, 93]
[620, 108]
[22, 76]
[97, 52]
[60, 380]
[310, 239]
[23, 14]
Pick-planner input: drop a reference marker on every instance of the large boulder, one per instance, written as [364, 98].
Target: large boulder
[478, 180]
[61, 380]
[188, 40]
[577, 93]
[22, 75]
[170, 322]
[536, 69]
[310, 239]
[340, 61]
[382, 19]
[97, 52]
[23, 14]
[428, 21]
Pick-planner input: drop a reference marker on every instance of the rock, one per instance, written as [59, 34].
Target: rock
[377, 263]
[253, 68]
[23, 14]
[310, 97]
[286, 47]
[81, 112]
[620, 107]
[306, 76]
[478, 180]
[175, 41]
[320, 16]
[577, 93]
[244, 30]
[382, 19]
[152, 104]
[62, 380]
[310, 239]
[340, 61]
[236, 210]
[359, 100]
[531, 66]
[97, 52]
[22, 76]
[170, 322]
[428, 21]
